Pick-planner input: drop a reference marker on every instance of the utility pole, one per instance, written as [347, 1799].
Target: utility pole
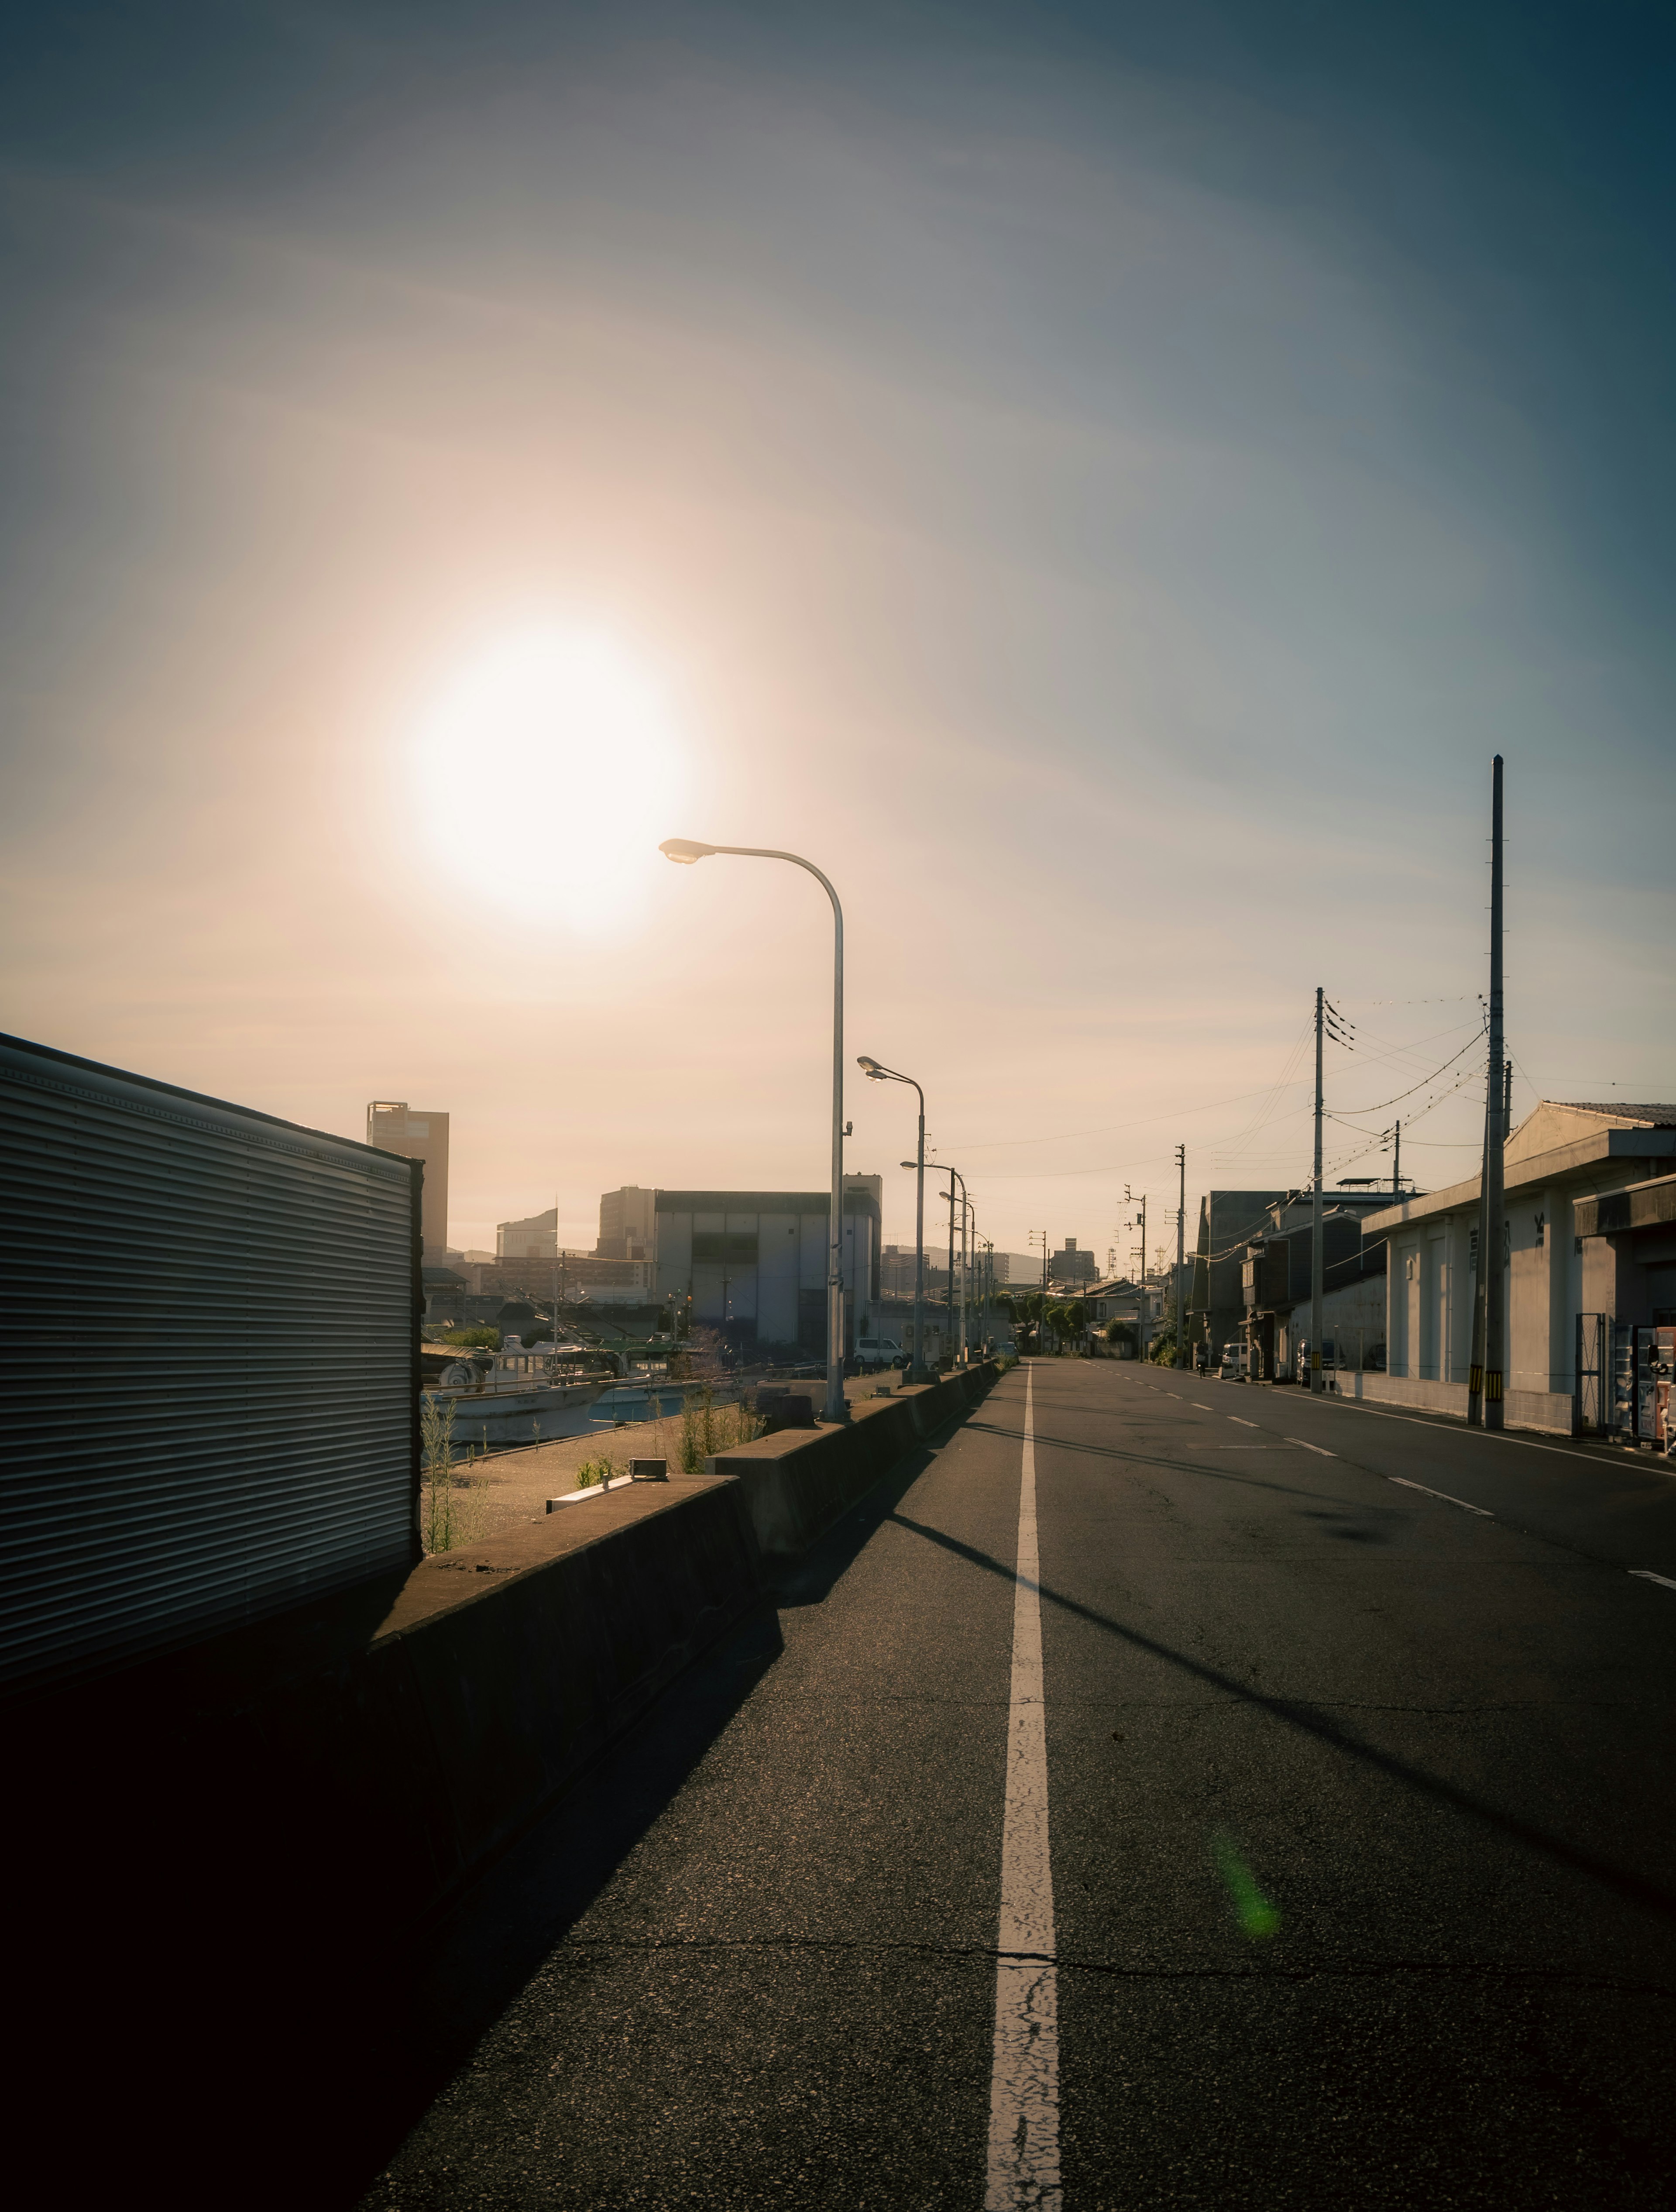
[1396, 1165]
[1489, 1251]
[1181, 1255]
[1317, 1233]
[1140, 1298]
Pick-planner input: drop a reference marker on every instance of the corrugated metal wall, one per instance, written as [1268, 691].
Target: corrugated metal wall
[210, 1354]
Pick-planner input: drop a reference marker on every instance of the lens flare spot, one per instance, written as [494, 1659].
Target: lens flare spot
[1257, 1918]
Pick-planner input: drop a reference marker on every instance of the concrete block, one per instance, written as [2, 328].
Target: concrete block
[797, 1485]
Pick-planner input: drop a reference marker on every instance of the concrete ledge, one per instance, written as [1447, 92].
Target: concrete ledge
[1423, 1397]
[798, 1482]
[341, 1773]
[1549, 1412]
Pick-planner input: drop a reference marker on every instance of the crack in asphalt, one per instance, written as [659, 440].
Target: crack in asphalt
[1070, 1962]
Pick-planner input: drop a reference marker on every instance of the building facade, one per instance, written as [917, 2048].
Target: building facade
[1572, 1287]
[1070, 1268]
[628, 1223]
[753, 1264]
[414, 1133]
[536, 1237]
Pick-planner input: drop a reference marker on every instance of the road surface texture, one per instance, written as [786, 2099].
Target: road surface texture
[1298, 1832]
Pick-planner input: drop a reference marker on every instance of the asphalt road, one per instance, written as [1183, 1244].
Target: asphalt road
[1354, 1862]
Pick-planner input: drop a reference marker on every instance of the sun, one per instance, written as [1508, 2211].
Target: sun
[546, 763]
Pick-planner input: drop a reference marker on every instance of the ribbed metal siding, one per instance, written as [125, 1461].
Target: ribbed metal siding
[210, 1351]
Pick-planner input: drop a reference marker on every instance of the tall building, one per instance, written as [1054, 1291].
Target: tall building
[535, 1238]
[1070, 1265]
[628, 1223]
[394, 1127]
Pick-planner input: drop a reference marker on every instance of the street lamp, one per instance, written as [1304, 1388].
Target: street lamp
[685, 850]
[875, 1072]
[956, 1176]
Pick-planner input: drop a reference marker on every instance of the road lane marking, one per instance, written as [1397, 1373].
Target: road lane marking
[1197, 1408]
[1301, 1446]
[1442, 1422]
[1483, 1511]
[1024, 2075]
[1646, 1575]
[1234, 1416]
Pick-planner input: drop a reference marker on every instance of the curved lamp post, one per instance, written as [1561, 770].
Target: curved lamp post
[686, 851]
[942, 1167]
[875, 1072]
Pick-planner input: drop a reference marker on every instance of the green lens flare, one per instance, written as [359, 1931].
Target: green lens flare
[1257, 1917]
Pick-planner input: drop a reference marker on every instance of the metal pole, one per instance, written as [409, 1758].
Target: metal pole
[918, 1371]
[686, 850]
[1181, 1255]
[1490, 1258]
[1317, 1233]
[1142, 1279]
[1396, 1165]
[965, 1269]
[950, 1173]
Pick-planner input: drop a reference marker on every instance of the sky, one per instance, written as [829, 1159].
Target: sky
[1101, 483]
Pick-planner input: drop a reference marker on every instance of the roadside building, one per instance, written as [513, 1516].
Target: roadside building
[1588, 1256]
[753, 1264]
[1228, 1220]
[1276, 1283]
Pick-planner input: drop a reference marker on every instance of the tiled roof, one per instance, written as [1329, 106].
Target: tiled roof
[1656, 1117]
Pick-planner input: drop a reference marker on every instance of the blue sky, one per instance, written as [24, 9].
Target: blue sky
[1101, 481]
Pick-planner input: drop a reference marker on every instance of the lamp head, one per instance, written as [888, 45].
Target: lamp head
[911, 1164]
[684, 850]
[870, 1067]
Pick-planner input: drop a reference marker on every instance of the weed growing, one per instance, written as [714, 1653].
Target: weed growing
[450, 1514]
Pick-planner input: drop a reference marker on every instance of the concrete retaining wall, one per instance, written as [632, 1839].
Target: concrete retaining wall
[224, 1859]
[1551, 1412]
[353, 1763]
[799, 1483]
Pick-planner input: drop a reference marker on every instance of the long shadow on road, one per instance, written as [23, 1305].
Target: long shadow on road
[1635, 1888]
[428, 2016]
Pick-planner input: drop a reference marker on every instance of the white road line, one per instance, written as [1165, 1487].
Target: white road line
[1197, 1408]
[1483, 1511]
[1501, 1436]
[1319, 1449]
[1646, 1575]
[1234, 1416]
[1025, 2077]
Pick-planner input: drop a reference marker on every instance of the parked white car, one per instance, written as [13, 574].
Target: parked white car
[1235, 1362]
[874, 1353]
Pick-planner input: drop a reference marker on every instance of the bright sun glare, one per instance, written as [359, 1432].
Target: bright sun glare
[547, 766]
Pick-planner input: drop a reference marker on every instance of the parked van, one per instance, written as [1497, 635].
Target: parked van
[1235, 1362]
[874, 1353]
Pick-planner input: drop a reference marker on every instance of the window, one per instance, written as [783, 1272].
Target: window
[737, 1248]
[1542, 1231]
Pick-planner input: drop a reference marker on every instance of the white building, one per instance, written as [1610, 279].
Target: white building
[754, 1263]
[1571, 1284]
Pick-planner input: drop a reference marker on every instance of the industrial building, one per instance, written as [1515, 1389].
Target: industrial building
[753, 1264]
